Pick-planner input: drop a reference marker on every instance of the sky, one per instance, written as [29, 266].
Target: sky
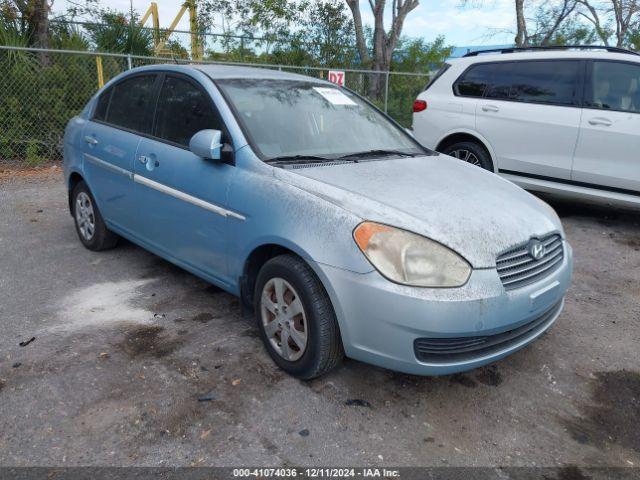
[460, 26]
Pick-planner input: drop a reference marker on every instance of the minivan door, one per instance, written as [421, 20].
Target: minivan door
[530, 114]
[181, 198]
[608, 151]
[111, 138]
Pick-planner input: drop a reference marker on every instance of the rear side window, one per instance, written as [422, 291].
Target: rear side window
[100, 112]
[183, 110]
[130, 101]
[614, 86]
[548, 82]
[474, 81]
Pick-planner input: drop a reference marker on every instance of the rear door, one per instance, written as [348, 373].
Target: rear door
[530, 114]
[111, 138]
[181, 198]
[608, 151]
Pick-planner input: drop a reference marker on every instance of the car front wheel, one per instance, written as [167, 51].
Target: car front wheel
[296, 319]
[470, 152]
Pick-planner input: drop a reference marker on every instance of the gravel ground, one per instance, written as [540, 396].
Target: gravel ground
[126, 344]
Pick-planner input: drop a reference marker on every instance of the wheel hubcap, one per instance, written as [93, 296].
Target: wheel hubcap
[284, 319]
[466, 156]
[85, 217]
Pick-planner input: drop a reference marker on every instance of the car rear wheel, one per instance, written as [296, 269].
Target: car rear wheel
[90, 226]
[470, 152]
[296, 319]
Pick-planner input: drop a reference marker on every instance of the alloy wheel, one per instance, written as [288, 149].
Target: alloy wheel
[85, 217]
[284, 319]
[466, 156]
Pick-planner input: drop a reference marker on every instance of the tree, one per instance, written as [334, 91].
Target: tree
[623, 14]
[522, 38]
[119, 33]
[383, 42]
[32, 22]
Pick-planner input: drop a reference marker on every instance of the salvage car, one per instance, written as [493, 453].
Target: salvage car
[331, 223]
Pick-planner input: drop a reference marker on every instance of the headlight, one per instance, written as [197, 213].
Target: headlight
[410, 259]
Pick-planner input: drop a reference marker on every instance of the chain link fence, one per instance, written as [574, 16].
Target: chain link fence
[40, 90]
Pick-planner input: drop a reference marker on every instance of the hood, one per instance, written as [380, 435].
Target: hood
[474, 212]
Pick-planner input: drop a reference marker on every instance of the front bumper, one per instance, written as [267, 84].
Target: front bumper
[379, 320]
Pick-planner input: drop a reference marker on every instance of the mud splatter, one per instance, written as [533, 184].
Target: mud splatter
[464, 380]
[570, 472]
[490, 376]
[629, 242]
[615, 413]
[203, 317]
[149, 341]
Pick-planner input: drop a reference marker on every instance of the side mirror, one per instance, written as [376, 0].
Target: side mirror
[207, 144]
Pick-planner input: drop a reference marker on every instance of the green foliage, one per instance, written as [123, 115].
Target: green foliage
[413, 55]
[36, 103]
[65, 36]
[116, 33]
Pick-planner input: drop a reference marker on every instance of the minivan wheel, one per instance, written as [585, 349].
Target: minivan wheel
[296, 319]
[470, 152]
[90, 226]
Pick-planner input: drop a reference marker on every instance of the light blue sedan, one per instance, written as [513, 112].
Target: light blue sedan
[342, 233]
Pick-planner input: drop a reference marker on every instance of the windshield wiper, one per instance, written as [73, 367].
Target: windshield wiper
[293, 158]
[377, 153]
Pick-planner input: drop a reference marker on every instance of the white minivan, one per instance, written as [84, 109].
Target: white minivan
[557, 120]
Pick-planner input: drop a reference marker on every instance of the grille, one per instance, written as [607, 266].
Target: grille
[463, 348]
[517, 268]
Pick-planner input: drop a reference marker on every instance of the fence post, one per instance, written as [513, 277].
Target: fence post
[129, 63]
[386, 91]
[100, 72]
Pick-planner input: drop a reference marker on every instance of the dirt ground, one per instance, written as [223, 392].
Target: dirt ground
[136, 362]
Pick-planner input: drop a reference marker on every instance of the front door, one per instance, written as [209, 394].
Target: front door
[181, 198]
[111, 138]
[530, 113]
[608, 151]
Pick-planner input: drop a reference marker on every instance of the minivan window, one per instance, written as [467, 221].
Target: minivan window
[129, 103]
[183, 110]
[289, 118]
[614, 86]
[475, 80]
[550, 82]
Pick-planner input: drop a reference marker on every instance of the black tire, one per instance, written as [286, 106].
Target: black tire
[101, 237]
[482, 157]
[324, 349]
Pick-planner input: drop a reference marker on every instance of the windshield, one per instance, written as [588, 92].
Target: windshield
[285, 118]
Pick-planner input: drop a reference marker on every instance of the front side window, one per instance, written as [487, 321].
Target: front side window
[290, 117]
[183, 110]
[130, 102]
[614, 86]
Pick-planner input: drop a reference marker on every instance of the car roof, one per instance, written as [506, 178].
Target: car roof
[545, 55]
[217, 71]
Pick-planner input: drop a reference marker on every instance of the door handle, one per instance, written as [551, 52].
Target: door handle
[143, 159]
[90, 140]
[490, 108]
[600, 121]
